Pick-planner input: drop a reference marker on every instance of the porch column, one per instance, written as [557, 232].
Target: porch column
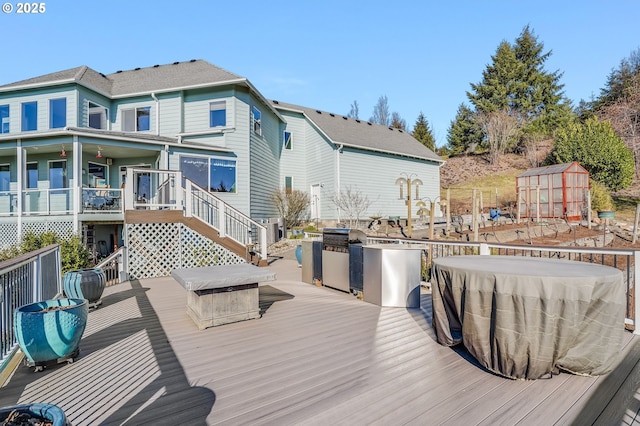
[77, 183]
[22, 166]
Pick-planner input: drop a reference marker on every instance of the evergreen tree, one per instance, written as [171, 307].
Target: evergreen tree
[422, 132]
[619, 81]
[517, 83]
[598, 149]
[464, 134]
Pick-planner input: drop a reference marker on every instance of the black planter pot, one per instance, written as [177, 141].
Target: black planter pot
[85, 284]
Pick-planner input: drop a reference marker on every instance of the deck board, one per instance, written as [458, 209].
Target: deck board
[316, 356]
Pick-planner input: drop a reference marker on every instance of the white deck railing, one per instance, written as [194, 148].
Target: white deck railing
[28, 278]
[627, 260]
[167, 191]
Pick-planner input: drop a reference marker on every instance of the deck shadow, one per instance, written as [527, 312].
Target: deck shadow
[130, 373]
[268, 295]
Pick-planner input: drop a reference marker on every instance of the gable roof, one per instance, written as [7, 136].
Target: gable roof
[554, 168]
[186, 75]
[343, 130]
[158, 78]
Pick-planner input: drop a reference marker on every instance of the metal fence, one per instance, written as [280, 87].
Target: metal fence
[626, 260]
[26, 279]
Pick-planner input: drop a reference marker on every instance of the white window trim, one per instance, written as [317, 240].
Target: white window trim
[135, 119]
[9, 165]
[226, 116]
[26, 175]
[51, 112]
[106, 170]
[211, 157]
[284, 140]
[66, 168]
[253, 121]
[105, 111]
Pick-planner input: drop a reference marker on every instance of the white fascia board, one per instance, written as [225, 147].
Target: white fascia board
[401, 154]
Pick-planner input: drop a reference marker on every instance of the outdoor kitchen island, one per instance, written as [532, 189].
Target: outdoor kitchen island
[218, 295]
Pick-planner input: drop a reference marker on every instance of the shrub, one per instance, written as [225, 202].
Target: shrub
[601, 199]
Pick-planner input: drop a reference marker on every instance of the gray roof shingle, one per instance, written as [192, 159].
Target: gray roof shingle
[140, 80]
[362, 134]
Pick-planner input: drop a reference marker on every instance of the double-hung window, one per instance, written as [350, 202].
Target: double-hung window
[288, 140]
[217, 113]
[136, 120]
[57, 113]
[256, 119]
[29, 116]
[97, 116]
[4, 118]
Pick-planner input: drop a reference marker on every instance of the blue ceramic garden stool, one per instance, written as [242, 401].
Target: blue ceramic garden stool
[50, 330]
[85, 284]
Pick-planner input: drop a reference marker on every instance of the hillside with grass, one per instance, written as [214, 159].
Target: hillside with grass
[497, 183]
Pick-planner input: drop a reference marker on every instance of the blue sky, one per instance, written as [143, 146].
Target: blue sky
[422, 55]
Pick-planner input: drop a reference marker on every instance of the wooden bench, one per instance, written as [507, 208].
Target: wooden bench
[218, 295]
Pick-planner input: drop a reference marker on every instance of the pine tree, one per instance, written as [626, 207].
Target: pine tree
[464, 134]
[422, 132]
[516, 86]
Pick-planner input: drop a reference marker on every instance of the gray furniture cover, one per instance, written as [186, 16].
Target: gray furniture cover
[209, 277]
[523, 317]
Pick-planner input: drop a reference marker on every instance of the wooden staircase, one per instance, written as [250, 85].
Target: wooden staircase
[195, 224]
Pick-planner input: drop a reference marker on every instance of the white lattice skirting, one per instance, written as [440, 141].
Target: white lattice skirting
[155, 249]
[9, 231]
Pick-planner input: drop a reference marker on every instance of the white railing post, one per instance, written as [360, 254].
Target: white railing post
[222, 219]
[128, 189]
[188, 212]
[263, 243]
[484, 249]
[636, 293]
[177, 188]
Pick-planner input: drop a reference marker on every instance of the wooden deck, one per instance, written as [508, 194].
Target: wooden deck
[317, 356]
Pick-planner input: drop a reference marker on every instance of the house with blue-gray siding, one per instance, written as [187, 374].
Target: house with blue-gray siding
[67, 140]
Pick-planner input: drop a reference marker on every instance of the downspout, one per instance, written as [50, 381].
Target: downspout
[338, 150]
[155, 98]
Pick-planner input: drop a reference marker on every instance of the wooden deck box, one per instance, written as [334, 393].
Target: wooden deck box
[218, 295]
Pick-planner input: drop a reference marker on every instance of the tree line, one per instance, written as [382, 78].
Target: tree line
[518, 105]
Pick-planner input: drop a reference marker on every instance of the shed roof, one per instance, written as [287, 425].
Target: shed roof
[553, 169]
[362, 134]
